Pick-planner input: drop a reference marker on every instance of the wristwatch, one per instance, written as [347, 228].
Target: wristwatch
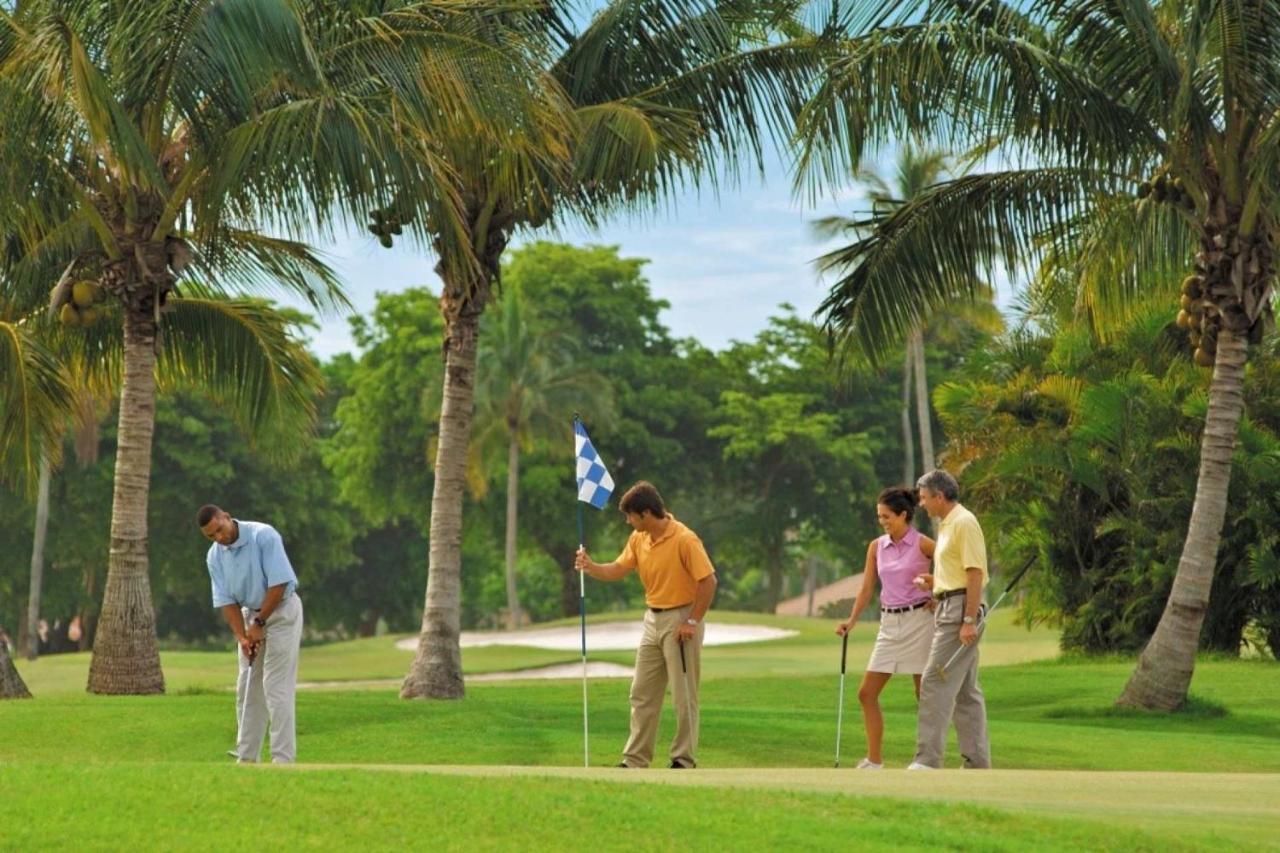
[693, 622]
[260, 622]
[969, 620]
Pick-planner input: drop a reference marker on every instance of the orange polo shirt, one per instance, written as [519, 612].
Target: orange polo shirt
[669, 566]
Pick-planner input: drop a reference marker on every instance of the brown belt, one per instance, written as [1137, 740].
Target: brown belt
[949, 593]
[665, 609]
[905, 609]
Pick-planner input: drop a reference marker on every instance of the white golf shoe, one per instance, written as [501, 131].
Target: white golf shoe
[916, 765]
[868, 764]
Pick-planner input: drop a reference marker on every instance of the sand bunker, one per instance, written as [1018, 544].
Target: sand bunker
[603, 637]
[595, 669]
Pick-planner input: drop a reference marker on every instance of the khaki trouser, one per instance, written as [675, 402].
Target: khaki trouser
[960, 696]
[657, 662]
[265, 689]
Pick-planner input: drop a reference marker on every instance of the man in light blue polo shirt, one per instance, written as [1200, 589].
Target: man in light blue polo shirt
[255, 588]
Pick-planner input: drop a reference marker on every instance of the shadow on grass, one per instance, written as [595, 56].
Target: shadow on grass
[1194, 709]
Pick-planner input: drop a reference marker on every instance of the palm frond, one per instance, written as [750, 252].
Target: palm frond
[964, 85]
[936, 248]
[238, 260]
[35, 402]
[243, 354]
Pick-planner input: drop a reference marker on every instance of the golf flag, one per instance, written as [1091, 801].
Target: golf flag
[594, 483]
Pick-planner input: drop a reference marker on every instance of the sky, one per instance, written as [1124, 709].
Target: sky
[724, 264]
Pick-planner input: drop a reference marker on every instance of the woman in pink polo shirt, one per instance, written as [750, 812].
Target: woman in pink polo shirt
[906, 618]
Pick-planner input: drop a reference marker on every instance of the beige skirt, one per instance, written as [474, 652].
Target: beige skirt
[902, 646]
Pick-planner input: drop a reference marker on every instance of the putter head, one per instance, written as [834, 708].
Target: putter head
[942, 673]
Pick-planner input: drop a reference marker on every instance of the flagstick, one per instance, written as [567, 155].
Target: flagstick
[582, 613]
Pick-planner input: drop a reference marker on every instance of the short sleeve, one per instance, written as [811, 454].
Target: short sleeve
[627, 559]
[973, 550]
[695, 559]
[221, 598]
[275, 562]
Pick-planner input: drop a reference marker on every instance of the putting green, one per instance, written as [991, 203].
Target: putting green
[1231, 807]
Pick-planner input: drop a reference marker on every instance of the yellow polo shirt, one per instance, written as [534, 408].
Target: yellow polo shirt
[669, 566]
[960, 546]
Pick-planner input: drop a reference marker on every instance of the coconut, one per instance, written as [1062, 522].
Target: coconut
[1203, 358]
[69, 315]
[89, 316]
[1144, 189]
[1184, 320]
[385, 240]
[84, 293]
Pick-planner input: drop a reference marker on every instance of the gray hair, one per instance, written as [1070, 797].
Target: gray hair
[941, 483]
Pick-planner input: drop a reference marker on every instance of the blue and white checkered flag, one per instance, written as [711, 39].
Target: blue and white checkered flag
[594, 483]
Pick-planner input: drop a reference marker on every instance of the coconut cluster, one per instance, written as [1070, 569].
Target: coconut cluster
[1220, 293]
[1164, 188]
[388, 223]
[80, 309]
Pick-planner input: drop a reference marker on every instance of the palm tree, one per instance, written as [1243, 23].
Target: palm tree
[1094, 102]
[916, 170]
[529, 377]
[145, 141]
[661, 93]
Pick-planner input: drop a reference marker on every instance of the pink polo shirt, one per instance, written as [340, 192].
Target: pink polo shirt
[897, 564]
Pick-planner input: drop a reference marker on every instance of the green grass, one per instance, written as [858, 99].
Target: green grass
[200, 807]
[767, 705]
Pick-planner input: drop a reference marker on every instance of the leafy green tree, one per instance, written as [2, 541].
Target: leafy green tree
[664, 391]
[795, 469]
[1093, 102]
[531, 375]
[1084, 452]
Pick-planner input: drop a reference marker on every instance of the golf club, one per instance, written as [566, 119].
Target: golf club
[844, 654]
[982, 619]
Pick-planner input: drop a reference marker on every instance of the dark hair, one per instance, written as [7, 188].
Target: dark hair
[640, 497]
[900, 499]
[205, 514]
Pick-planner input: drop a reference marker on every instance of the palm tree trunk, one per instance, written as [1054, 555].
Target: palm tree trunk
[436, 672]
[11, 684]
[126, 659]
[908, 439]
[1164, 669]
[37, 561]
[513, 486]
[923, 414]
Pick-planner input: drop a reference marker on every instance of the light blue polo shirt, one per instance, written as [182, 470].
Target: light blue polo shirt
[242, 571]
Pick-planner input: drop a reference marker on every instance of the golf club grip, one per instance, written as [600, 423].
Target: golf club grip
[844, 650]
[1030, 562]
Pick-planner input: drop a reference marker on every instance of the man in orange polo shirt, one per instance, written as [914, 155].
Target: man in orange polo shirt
[679, 583]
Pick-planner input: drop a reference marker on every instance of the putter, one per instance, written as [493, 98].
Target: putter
[844, 654]
[984, 615]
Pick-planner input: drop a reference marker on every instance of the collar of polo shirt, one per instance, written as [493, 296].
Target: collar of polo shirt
[241, 539]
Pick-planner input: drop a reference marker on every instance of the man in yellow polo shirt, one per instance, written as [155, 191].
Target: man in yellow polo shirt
[679, 583]
[959, 576]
